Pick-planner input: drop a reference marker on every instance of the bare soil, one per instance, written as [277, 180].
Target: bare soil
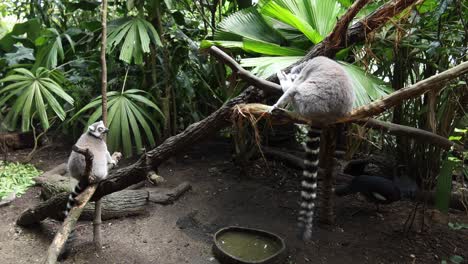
[223, 195]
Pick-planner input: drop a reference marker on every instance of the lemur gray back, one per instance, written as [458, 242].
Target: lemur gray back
[320, 91]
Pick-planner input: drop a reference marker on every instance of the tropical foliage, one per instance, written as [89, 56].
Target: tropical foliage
[282, 31]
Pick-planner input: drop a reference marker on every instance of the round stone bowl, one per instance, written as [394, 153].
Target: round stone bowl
[240, 245]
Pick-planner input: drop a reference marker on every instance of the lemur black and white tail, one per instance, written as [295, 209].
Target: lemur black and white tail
[309, 182]
[79, 188]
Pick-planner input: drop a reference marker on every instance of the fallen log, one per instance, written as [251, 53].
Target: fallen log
[115, 205]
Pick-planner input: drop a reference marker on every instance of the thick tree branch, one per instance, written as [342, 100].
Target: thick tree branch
[411, 132]
[417, 89]
[282, 116]
[337, 36]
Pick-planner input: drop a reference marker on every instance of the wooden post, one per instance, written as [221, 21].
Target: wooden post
[98, 205]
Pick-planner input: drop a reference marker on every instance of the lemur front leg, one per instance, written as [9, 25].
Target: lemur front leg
[286, 82]
[110, 159]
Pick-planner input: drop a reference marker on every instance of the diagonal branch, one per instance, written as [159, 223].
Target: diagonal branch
[417, 89]
[338, 34]
[411, 132]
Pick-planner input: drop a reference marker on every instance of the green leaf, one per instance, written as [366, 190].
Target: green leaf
[247, 23]
[456, 259]
[280, 13]
[266, 66]
[31, 92]
[444, 185]
[226, 44]
[367, 88]
[134, 35]
[270, 48]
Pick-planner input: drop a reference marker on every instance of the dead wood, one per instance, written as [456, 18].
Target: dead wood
[411, 132]
[119, 204]
[168, 196]
[122, 178]
[115, 205]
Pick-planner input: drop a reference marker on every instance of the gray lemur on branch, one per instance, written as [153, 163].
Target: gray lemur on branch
[92, 140]
[320, 91]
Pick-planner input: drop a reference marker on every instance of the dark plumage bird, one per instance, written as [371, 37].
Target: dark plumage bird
[377, 190]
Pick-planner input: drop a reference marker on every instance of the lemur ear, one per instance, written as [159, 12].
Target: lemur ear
[91, 128]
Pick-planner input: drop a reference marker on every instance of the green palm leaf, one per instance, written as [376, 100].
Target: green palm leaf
[248, 23]
[34, 93]
[366, 87]
[134, 35]
[51, 48]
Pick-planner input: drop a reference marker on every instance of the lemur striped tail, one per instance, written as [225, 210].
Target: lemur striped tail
[79, 188]
[309, 182]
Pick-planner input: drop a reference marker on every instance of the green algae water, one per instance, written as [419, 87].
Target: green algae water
[247, 246]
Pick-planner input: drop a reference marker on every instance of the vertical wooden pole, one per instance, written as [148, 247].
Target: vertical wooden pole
[97, 209]
[327, 150]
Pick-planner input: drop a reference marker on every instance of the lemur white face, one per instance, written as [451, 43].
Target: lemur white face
[98, 129]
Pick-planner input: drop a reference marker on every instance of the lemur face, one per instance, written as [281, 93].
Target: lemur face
[98, 129]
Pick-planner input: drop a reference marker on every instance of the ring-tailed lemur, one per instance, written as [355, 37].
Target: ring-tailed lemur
[320, 91]
[92, 140]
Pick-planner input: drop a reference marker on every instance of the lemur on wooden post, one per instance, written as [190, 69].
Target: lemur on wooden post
[321, 91]
[92, 140]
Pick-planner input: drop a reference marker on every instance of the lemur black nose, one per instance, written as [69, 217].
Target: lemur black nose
[106, 130]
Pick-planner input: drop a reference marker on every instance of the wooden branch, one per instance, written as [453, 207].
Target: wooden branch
[243, 73]
[168, 196]
[411, 132]
[61, 237]
[434, 82]
[338, 34]
[282, 116]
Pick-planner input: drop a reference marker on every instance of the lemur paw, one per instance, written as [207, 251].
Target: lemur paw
[272, 108]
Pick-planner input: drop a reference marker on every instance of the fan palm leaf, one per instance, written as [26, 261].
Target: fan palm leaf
[34, 92]
[133, 35]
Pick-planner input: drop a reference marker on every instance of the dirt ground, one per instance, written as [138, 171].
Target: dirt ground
[221, 196]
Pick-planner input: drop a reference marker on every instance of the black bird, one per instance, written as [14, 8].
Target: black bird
[377, 190]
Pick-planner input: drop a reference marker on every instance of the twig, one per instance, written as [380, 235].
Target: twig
[243, 73]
